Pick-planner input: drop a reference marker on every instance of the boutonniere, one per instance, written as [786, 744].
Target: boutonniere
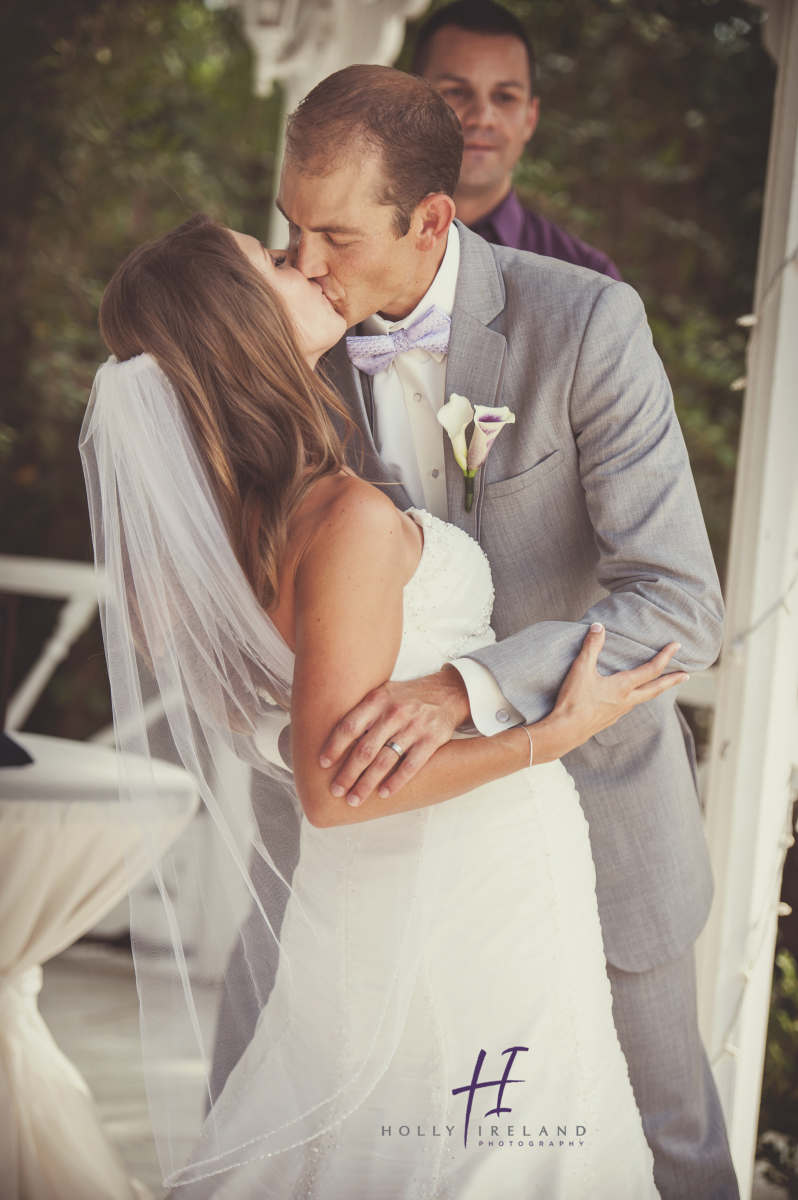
[455, 417]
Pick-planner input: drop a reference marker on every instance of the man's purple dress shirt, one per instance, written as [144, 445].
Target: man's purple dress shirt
[511, 225]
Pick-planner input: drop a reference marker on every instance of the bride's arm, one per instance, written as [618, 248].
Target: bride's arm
[349, 615]
[348, 630]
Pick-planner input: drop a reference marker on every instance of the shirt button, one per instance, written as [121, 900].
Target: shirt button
[503, 716]
[435, 473]
[417, 397]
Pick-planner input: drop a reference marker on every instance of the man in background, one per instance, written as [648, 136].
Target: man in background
[477, 56]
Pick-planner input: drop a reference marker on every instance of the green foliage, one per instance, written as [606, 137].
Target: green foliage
[778, 1114]
[652, 145]
[120, 119]
[149, 116]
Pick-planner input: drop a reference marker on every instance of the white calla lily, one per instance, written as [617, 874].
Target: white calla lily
[455, 417]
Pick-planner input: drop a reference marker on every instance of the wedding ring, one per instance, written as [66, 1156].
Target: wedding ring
[397, 749]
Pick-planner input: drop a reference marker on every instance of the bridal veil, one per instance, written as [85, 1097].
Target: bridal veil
[185, 633]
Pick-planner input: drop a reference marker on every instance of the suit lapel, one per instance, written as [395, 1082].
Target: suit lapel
[361, 453]
[474, 368]
[477, 357]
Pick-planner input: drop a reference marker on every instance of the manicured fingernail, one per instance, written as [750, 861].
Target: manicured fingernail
[325, 762]
[685, 679]
[337, 790]
[384, 792]
[678, 646]
[596, 628]
[354, 801]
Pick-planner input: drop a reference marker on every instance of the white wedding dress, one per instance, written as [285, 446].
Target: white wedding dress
[508, 953]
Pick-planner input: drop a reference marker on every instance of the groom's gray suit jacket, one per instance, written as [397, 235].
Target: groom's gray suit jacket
[587, 512]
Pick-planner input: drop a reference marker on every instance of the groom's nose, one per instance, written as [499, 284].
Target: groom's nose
[310, 257]
[478, 112]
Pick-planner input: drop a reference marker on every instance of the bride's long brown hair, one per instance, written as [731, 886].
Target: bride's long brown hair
[262, 418]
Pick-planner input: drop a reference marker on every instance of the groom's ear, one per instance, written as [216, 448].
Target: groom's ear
[431, 220]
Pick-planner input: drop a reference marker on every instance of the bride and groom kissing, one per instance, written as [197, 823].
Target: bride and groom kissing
[533, 936]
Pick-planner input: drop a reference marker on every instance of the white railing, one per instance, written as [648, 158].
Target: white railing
[77, 584]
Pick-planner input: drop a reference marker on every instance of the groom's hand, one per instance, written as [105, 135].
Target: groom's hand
[419, 716]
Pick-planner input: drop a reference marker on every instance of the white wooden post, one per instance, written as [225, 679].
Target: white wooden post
[752, 775]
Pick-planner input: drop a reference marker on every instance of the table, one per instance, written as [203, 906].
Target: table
[68, 853]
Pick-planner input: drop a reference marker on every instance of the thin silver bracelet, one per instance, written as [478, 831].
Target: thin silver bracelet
[531, 747]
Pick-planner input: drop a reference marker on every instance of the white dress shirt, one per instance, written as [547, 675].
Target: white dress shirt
[408, 395]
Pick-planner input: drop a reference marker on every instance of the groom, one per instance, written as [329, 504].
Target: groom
[586, 509]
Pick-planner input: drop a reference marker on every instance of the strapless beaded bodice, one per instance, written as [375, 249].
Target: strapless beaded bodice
[448, 602]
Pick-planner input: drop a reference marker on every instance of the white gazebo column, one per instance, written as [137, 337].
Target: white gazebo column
[301, 42]
[753, 773]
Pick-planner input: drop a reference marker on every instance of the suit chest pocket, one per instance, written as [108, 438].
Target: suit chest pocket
[517, 483]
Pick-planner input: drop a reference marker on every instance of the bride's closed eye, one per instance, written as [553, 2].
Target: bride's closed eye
[276, 259]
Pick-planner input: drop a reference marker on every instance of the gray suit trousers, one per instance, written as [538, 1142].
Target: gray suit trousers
[657, 1022]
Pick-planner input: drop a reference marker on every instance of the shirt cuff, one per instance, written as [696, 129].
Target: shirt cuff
[491, 712]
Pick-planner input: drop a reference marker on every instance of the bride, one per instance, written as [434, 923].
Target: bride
[440, 1021]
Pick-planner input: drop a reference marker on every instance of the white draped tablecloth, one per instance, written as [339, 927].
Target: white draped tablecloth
[68, 854]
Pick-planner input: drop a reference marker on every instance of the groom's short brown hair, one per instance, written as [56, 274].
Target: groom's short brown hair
[413, 129]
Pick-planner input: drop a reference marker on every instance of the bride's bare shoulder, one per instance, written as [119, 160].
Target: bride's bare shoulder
[345, 540]
[353, 507]
[353, 515]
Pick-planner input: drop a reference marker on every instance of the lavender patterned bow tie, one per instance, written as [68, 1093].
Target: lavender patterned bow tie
[374, 354]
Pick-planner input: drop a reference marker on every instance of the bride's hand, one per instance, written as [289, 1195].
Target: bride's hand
[588, 702]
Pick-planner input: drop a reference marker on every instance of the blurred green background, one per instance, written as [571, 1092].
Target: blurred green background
[121, 117]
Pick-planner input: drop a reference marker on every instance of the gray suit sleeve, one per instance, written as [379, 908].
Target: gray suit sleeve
[654, 558]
